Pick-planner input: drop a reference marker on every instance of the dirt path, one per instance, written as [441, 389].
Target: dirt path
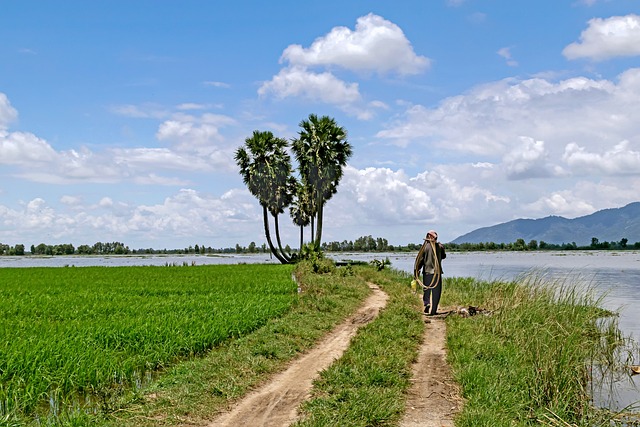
[276, 403]
[433, 398]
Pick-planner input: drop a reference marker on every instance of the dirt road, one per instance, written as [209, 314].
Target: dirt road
[433, 398]
[276, 403]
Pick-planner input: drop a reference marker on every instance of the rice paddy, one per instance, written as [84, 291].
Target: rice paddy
[75, 337]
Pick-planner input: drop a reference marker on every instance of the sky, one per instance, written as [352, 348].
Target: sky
[119, 120]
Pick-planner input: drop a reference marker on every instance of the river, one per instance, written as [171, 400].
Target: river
[615, 275]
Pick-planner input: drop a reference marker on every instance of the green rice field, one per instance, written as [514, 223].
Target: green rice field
[76, 336]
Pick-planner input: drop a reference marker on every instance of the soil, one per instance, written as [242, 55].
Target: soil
[432, 400]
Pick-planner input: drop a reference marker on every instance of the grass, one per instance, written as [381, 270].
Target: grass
[79, 337]
[193, 391]
[367, 385]
[526, 364]
[530, 362]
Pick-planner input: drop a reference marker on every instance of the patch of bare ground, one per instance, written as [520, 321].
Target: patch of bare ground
[276, 402]
[434, 397]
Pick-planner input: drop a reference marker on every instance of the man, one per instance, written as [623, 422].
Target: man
[429, 261]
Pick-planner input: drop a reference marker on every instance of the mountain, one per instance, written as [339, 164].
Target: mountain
[610, 225]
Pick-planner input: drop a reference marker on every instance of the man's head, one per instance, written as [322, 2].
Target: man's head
[431, 235]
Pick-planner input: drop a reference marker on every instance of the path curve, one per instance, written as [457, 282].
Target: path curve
[276, 403]
[433, 398]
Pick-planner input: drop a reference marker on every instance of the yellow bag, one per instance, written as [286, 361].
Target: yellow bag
[414, 285]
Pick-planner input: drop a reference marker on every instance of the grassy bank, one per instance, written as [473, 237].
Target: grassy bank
[366, 386]
[530, 361]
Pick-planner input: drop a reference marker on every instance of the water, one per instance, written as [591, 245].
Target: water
[616, 275]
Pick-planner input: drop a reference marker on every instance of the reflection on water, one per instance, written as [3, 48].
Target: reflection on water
[615, 275]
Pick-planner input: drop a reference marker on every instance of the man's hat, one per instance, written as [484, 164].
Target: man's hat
[433, 233]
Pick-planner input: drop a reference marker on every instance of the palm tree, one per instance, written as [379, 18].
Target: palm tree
[322, 151]
[266, 169]
[300, 209]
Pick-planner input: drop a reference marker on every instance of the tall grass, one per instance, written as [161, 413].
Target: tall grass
[530, 362]
[78, 336]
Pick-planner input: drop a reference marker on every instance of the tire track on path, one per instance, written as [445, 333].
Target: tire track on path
[275, 404]
[434, 397]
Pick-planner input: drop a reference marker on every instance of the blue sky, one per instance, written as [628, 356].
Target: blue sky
[119, 119]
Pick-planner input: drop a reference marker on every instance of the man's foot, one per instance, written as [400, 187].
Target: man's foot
[427, 308]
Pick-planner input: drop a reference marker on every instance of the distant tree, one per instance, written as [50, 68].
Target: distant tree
[533, 245]
[623, 243]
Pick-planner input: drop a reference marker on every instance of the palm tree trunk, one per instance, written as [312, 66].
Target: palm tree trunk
[318, 240]
[265, 215]
[282, 251]
[301, 237]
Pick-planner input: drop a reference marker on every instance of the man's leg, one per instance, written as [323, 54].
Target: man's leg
[426, 296]
[435, 298]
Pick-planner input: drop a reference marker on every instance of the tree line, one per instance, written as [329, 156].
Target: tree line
[361, 244]
[532, 245]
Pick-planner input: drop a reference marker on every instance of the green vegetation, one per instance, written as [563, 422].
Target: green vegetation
[530, 361]
[366, 386]
[82, 334]
[521, 245]
[526, 363]
[321, 151]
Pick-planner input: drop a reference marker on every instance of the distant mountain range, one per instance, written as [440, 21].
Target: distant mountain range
[610, 225]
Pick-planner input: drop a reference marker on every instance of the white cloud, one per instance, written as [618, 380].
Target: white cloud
[529, 159]
[607, 38]
[197, 146]
[619, 160]
[187, 214]
[376, 45]
[505, 52]
[143, 111]
[562, 203]
[7, 113]
[320, 87]
[24, 149]
[217, 84]
[298, 82]
[489, 121]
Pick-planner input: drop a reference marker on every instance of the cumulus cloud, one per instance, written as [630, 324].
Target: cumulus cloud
[196, 146]
[619, 160]
[607, 38]
[528, 159]
[7, 113]
[377, 45]
[381, 197]
[299, 82]
[489, 121]
[180, 216]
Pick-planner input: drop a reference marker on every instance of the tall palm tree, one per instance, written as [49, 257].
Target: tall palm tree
[322, 151]
[266, 169]
[300, 209]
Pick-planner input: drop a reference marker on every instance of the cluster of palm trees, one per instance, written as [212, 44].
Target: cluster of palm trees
[321, 151]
